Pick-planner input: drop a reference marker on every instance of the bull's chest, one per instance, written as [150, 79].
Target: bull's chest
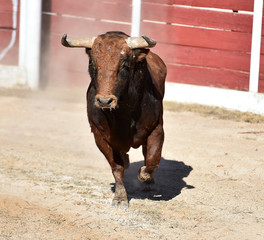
[118, 130]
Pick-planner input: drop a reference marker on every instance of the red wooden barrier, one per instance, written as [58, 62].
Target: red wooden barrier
[197, 56]
[208, 76]
[201, 45]
[6, 29]
[197, 17]
[261, 75]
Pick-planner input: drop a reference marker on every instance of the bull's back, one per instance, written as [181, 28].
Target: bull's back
[158, 72]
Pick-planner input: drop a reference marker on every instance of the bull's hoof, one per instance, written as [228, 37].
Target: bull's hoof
[143, 176]
[120, 203]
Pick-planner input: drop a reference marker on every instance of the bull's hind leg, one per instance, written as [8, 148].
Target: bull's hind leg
[152, 154]
[118, 162]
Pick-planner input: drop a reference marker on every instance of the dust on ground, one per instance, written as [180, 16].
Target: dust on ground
[55, 184]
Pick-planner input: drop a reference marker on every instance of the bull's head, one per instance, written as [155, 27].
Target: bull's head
[112, 58]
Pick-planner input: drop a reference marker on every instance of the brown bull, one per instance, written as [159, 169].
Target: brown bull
[124, 101]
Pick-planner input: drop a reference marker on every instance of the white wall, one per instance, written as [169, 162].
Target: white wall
[230, 99]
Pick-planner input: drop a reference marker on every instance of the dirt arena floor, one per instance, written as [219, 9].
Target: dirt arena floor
[55, 184]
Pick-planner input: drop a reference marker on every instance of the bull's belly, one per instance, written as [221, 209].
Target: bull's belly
[123, 140]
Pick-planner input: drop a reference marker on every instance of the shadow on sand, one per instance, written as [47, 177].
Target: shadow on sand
[168, 181]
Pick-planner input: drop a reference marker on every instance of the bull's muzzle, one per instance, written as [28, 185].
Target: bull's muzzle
[109, 101]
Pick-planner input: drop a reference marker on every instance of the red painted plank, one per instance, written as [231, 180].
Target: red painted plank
[127, 2]
[246, 5]
[11, 57]
[261, 83]
[203, 57]
[262, 45]
[6, 24]
[92, 9]
[58, 77]
[205, 38]
[76, 27]
[5, 36]
[6, 5]
[208, 77]
[197, 17]
[6, 20]
[261, 69]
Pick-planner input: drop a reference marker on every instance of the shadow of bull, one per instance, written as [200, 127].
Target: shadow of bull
[168, 181]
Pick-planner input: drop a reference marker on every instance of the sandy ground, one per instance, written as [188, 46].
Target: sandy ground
[55, 184]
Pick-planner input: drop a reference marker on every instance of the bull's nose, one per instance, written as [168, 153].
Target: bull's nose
[105, 102]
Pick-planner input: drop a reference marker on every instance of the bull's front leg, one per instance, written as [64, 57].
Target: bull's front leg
[152, 154]
[120, 197]
[117, 163]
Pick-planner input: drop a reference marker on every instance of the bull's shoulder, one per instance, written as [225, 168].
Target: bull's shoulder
[158, 72]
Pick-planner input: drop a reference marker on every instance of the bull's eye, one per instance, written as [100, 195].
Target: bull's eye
[124, 70]
[92, 69]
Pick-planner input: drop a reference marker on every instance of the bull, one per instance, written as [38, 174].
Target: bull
[124, 102]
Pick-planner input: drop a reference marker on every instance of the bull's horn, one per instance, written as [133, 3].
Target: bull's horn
[140, 42]
[81, 42]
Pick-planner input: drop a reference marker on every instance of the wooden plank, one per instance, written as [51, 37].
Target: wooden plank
[245, 5]
[261, 69]
[203, 57]
[205, 38]
[262, 45]
[49, 6]
[92, 9]
[197, 17]
[261, 72]
[76, 27]
[11, 57]
[6, 20]
[6, 5]
[127, 2]
[61, 77]
[5, 36]
[261, 83]
[208, 77]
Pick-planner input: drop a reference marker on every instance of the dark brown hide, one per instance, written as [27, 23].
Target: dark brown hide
[124, 103]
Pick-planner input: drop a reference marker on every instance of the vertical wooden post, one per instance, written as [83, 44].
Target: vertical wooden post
[255, 46]
[136, 16]
[29, 40]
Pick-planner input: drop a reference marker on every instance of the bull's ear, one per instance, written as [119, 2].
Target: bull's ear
[140, 54]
